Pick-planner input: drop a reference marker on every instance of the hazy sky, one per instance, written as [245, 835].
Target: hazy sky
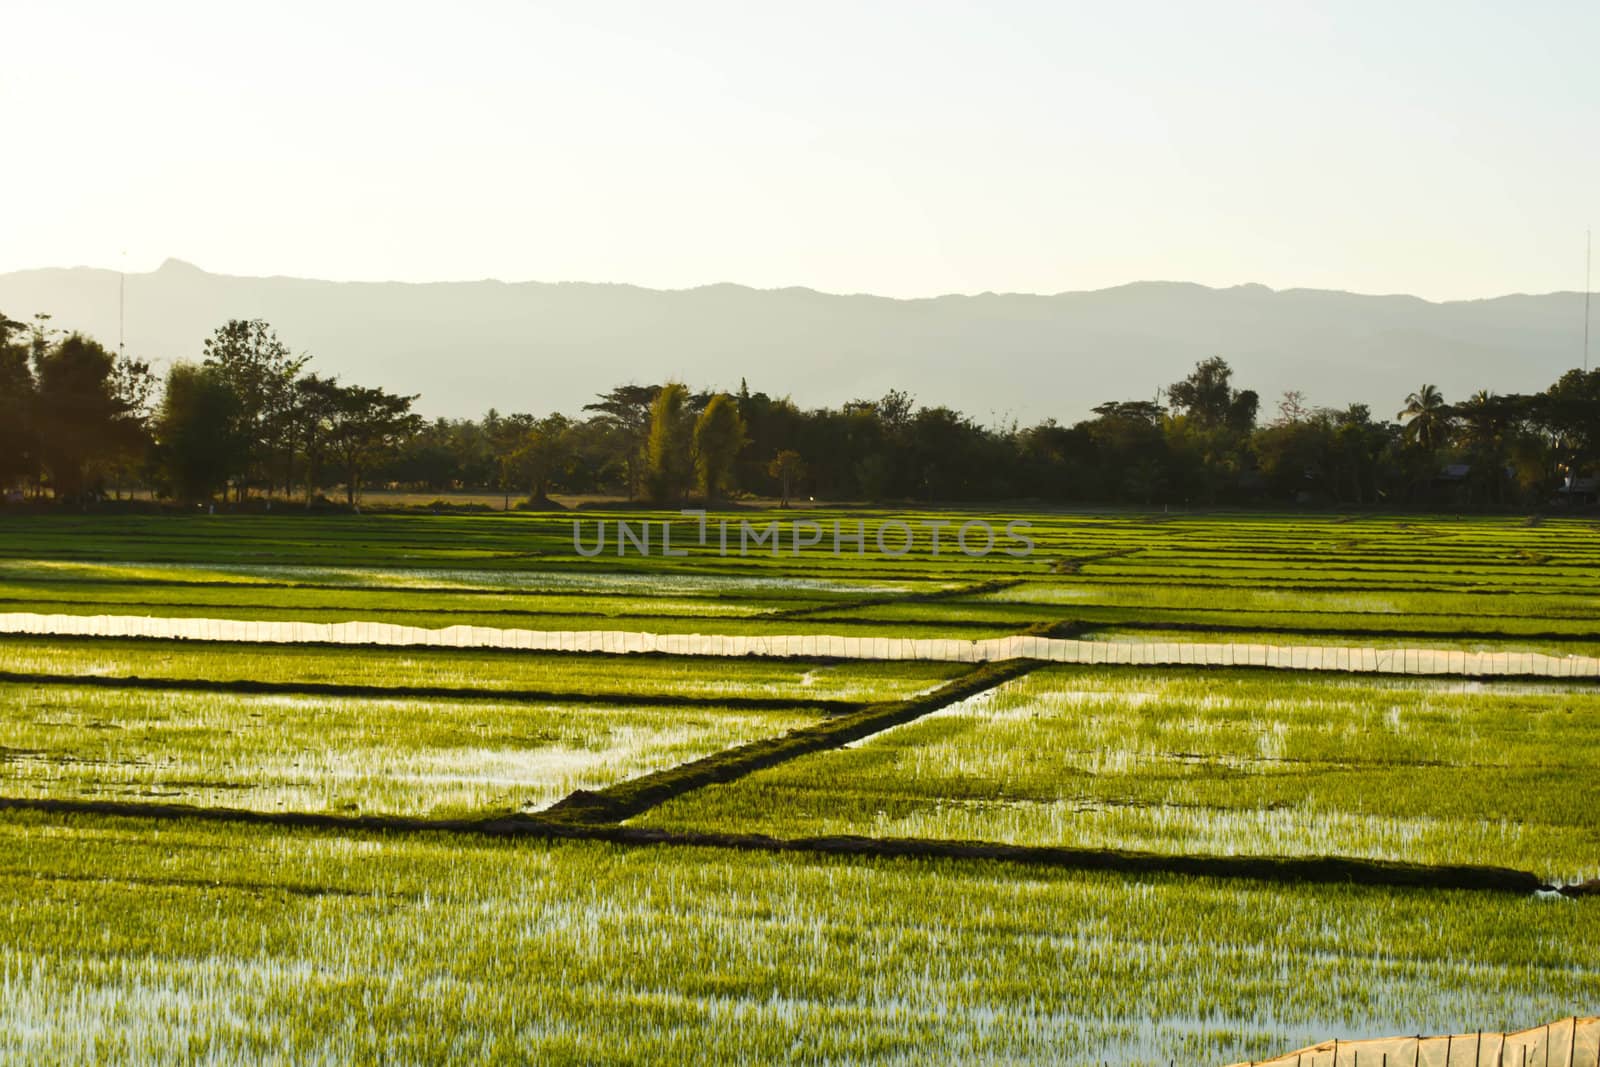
[1445, 149]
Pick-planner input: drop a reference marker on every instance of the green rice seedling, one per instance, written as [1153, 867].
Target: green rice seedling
[128, 941]
[488, 672]
[328, 754]
[1213, 763]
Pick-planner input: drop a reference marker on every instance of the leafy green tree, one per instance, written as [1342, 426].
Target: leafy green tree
[197, 443]
[544, 456]
[953, 458]
[1570, 411]
[772, 425]
[82, 421]
[836, 443]
[508, 437]
[669, 462]
[366, 426]
[719, 435]
[593, 462]
[262, 373]
[1295, 454]
[354, 427]
[1132, 411]
[427, 459]
[895, 410]
[1490, 428]
[316, 402]
[1144, 481]
[1208, 398]
[1057, 462]
[874, 475]
[1131, 451]
[1359, 449]
[1204, 459]
[133, 384]
[1208, 429]
[625, 410]
[788, 468]
[18, 450]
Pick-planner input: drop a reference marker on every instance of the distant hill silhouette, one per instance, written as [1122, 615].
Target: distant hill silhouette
[534, 346]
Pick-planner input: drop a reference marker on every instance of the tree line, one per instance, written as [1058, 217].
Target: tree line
[79, 421]
[250, 421]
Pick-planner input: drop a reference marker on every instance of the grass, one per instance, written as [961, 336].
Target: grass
[153, 599]
[639, 794]
[488, 672]
[1215, 763]
[1489, 583]
[125, 941]
[163, 940]
[368, 756]
[594, 581]
[1548, 645]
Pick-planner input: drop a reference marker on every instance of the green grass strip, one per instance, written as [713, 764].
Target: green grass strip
[441, 692]
[959, 592]
[1329, 870]
[637, 795]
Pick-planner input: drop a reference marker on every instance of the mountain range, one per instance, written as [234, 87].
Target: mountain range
[540, 347]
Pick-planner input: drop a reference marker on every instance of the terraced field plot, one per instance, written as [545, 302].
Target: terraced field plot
[1477, 584]
[532, 927]
[395, 732]
[141, 943]
[1211, 763]
[468, 673]
[549, 599]
[369, 756]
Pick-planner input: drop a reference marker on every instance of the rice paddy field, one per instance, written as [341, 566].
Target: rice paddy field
[1478, 583]
[1224, 763]
[466, 673]
[259, 944]
[369, 756]
[217, 852]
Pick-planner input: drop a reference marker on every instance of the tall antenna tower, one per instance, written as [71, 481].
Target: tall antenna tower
[1588, 259]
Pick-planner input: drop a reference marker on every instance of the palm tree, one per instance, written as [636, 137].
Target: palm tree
[1485, 419]
[1489, 424]
[1428, 415]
